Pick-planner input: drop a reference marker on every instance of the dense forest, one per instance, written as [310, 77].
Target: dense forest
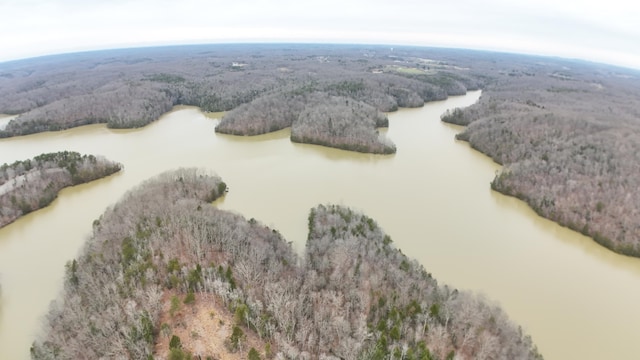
[314, 118]
[163, 248]
[277, 86]
[28, 185]
[568, 135]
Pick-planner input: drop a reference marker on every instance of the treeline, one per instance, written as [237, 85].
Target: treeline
[353, 296]
[130, 88]
[568, 135]
[28, 185]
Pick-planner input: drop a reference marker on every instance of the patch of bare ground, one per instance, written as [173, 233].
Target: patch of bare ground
[205, 328]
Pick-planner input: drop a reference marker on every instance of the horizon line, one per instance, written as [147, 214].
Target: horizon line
[124, 47]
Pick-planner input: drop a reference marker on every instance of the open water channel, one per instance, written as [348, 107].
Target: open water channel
[577, 299]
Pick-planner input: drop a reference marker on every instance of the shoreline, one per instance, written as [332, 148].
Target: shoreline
[496, 186]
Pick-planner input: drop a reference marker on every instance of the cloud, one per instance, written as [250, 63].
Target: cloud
[605, 32]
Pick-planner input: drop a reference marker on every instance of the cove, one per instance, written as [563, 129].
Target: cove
[576, 299]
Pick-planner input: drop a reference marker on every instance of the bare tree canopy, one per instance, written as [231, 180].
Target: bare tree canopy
[32, 184]
[568, 135]
[352, 296]
[274, 85]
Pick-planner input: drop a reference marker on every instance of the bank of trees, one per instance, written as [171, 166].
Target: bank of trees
[343, 123]
[567, 131]
[28, 185]
[267, 85]
[568, 136]
[352, 296]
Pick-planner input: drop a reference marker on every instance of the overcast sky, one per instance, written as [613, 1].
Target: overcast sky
[603, 31]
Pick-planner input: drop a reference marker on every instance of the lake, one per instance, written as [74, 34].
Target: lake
[577, 299]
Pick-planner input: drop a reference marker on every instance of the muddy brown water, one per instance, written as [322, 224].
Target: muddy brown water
[577, 299]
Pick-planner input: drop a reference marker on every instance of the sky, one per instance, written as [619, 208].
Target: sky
[601, 31]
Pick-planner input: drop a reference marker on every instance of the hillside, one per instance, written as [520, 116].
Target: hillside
[165, 272]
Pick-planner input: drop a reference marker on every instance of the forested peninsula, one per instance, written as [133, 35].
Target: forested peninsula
[28, 185]
[568, 135]
[163, 265]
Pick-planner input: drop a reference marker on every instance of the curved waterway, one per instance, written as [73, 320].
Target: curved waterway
[577, 299]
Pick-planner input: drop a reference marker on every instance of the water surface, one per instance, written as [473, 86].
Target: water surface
[577, 299]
